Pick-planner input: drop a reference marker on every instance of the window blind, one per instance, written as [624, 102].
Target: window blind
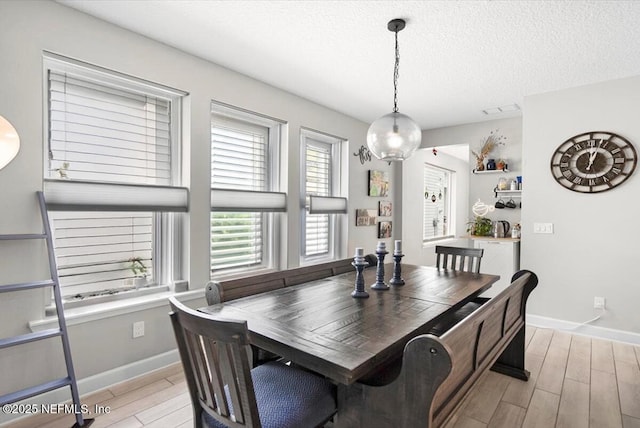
[436, 202]
[102, 133]
[94, 249]
[239, 162]
[317, 183]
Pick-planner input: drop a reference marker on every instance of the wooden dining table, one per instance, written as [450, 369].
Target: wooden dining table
[320, 326]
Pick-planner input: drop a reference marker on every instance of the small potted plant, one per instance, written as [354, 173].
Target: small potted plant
[139, 271]
[481, 226]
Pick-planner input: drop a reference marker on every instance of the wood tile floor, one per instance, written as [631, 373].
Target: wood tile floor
[575, 382]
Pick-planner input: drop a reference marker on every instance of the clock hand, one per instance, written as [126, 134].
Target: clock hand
[593, 152]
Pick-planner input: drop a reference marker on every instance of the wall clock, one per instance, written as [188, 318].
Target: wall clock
[593, 162]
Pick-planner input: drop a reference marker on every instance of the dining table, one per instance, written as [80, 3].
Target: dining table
[319, 325]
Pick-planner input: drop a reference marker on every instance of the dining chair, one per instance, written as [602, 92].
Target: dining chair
[457, 258]
[213, 294]
[226, 392]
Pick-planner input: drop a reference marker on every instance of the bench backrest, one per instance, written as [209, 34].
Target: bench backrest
[246, 286]
[477, 341]
[437, 372]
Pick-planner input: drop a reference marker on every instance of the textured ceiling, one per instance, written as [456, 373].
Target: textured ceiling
[456, 57]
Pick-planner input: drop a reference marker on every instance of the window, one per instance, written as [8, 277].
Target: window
[437, 203]
[112, 178]
[321, 229]
[244, 184]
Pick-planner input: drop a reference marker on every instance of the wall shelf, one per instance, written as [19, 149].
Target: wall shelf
[511, 193]
[490, 171]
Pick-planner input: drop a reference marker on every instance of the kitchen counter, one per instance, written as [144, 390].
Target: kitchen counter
[490, 238]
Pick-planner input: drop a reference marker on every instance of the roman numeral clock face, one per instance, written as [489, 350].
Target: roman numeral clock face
[593, 162]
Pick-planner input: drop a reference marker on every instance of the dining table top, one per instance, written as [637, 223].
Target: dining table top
[320, 326]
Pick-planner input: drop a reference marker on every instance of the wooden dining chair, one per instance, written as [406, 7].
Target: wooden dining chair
[457, 258]
[460, 259]
[225, 392]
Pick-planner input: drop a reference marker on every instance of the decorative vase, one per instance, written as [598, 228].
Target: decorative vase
[479, 165]
[491, 164]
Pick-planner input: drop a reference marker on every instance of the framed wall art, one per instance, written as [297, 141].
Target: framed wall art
[366, 217]
[384, 229]
[384, 208]
[378, 183]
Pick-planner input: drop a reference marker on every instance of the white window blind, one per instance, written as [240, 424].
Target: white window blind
[437, 203]
[104, 133]
[239, 161]
[94, 249]
[317, 183]
[113, 164]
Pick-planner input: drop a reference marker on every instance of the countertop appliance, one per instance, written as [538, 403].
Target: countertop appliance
[501, 228]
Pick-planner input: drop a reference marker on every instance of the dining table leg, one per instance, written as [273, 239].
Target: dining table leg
[363, 408]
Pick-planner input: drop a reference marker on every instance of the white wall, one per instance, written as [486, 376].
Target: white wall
[593, 250]
[28, 28]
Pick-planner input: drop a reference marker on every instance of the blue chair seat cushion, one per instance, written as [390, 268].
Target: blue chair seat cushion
[288, 397]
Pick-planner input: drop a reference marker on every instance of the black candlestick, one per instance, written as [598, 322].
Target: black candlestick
[397, 270]
[380, 284]
[359, 291]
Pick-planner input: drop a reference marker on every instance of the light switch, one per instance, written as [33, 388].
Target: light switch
[542, 227]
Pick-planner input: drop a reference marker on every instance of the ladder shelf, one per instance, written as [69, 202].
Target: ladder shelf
[22, 339]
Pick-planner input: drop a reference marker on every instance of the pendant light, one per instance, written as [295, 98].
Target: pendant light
[394, 136]
[9, 142]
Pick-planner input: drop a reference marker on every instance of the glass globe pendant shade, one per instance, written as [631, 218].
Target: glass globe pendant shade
[9, 142]
[393, 137]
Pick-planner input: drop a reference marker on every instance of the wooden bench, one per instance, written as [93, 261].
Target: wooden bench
[435, 373]
[222, 291]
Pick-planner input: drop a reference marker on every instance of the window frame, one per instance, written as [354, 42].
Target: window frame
[449, 195]
[167, 226]
[272, 220]
[337, 223]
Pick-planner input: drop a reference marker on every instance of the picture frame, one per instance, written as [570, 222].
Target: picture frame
[384, 229]
[384, 208]
[378, 183]
[366, 217]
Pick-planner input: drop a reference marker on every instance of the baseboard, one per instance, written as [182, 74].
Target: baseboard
[584, 329]
[100, 381]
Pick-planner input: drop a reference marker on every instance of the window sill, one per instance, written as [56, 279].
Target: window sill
[437, 241]
[89, 313]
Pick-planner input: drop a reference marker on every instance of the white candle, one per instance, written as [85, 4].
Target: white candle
[381, 246]
[359, 252]
[398, 247]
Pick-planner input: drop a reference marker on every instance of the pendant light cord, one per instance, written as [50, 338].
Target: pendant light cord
[395, 76]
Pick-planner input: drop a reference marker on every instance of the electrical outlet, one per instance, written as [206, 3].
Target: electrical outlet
[138, 329]
[598, 302]
[543, 228]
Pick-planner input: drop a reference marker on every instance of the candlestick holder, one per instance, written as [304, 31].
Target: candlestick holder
[380, 284]
[359, 291]
[397, 270]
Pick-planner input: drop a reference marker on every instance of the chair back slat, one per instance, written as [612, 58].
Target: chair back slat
[216, 365]
[216, 381]
[457, 258]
